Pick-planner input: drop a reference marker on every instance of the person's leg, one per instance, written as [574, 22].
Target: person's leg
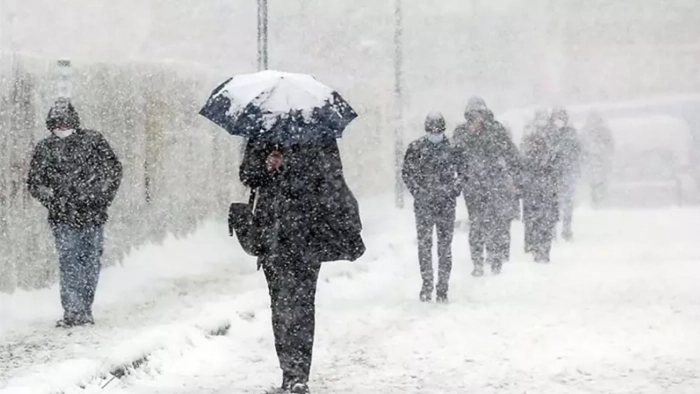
[70, 272]
[476, 238]
[424, 230]
[445, 234]
[497, 241]
[303, 325]
[507, 240]
[277, 276]
[566, 202]
[92, 248]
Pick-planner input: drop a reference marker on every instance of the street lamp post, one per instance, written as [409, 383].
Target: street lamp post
[262, 35]
[398, 91]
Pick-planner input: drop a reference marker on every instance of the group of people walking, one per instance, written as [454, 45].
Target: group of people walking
[483, 163]
[307, 215]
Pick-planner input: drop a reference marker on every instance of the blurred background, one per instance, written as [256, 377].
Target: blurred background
[140, 70]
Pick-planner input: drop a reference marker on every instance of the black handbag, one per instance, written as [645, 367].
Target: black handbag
[241, 220]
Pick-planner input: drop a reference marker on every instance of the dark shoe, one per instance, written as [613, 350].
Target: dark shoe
[65, 323]
[541, 258]
[287, 381]
[441, 299]
[426, 293]
[496, 268]
[568, 236]
[478, 271]
[70, 319]
[425, 297]
[300, 388]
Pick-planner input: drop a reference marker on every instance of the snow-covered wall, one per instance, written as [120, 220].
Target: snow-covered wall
[178, 167]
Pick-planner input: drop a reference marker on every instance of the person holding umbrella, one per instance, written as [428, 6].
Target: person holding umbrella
[305, 214]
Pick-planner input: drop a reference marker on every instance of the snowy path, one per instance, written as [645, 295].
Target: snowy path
[616, 312]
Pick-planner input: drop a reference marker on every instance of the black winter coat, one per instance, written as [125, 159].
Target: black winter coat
[75, 178]
[542, 174]
[430, 173]
[304, 208]
[491, 164]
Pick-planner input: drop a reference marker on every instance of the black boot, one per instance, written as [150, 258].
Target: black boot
[426, 294]
[300, 388]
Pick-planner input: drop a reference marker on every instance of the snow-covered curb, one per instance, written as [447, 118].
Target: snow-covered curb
[147, 271]
[76, 375]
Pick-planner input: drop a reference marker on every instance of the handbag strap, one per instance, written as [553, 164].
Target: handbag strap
[251, 200]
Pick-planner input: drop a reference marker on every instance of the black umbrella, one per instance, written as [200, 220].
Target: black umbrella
[278, 107]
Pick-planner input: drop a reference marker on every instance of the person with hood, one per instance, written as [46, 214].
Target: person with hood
[430, 174]
[490, 162]
[307, 215]
[599, 151]
[75, 174]
[568, 148]
[540, 188]
[540, 125]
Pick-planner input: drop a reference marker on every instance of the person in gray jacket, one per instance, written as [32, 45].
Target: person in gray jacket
[491, 164]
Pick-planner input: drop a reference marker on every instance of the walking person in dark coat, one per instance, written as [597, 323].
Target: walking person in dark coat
[75, 174]
[430, 174]
[308, 216]
[491, 163]
[540, 204]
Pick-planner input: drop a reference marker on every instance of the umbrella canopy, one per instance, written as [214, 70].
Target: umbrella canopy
[278, 107]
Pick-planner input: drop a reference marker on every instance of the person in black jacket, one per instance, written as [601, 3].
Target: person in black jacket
[307, 215]
[491, 164]
[75, 174]
[540, 204]
[430, 173]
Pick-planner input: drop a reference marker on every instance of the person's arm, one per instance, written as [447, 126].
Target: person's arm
[409, 171]
[37, 179]
[111, 178]
[459, 157]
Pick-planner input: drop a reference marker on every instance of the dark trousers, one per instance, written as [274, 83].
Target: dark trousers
[540, 224]
[79, 254]
[567, 194]
[291, 282]
[442, 219]
[489, 236]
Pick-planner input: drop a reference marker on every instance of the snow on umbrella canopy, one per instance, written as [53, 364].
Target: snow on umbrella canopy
[278, 107]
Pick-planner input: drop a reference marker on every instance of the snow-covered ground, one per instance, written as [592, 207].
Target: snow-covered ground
[618, 311]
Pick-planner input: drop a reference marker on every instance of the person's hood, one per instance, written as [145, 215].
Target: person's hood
[62, 113]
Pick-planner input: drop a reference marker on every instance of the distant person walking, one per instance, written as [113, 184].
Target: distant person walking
[599, 148]
[491, 163]
[569, 154]
[540, 202]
